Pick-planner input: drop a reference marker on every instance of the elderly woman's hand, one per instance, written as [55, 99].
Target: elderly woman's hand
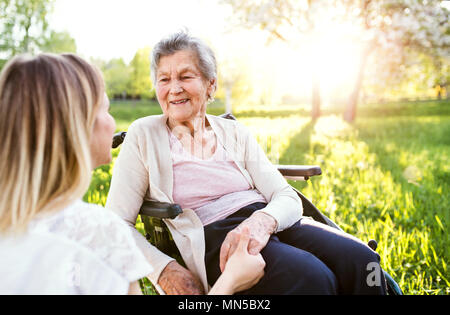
[260, 225]
[177, 280]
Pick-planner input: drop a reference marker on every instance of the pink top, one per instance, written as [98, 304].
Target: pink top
[214, 188]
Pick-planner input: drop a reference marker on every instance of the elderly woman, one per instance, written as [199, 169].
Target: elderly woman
[215, 170]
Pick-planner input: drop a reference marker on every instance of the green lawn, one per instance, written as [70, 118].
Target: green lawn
[386, 177]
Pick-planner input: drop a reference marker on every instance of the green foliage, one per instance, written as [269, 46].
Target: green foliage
[59, 42]
[419, 75]
[140, 83]
[128, 81]
[24, 29]
[147, 287]
[23, 25]
[117, 77]
[386, 177]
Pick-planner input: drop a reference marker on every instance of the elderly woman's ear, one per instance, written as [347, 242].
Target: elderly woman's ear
[212, 89]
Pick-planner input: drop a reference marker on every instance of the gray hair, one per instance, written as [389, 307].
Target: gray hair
[183, 41]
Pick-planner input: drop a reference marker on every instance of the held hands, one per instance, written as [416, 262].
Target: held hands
[242, 270]
[241, 263]
[260, 227]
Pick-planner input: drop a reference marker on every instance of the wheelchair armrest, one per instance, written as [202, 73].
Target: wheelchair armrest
[305, 171]
[163, 210]
[228, 116]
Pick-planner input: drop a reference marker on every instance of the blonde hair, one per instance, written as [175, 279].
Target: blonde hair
[48, 106]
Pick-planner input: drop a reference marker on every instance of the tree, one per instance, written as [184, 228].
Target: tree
[416, 24]
[117, 77]
[23, 24]
[400, 25]
[410, 74]
[140, 83]
[58, 42]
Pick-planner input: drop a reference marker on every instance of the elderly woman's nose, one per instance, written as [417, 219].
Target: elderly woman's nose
[175, 87]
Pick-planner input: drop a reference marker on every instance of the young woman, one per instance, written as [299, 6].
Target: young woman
[55, 129]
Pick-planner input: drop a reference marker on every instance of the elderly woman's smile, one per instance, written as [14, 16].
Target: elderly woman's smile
[180, 102]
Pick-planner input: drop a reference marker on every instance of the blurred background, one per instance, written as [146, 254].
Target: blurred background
[325, 54]
[358, 87]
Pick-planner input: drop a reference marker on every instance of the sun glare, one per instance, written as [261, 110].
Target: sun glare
[329, 55]
[335, 56]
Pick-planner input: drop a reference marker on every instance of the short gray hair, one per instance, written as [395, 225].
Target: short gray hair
[184, 41]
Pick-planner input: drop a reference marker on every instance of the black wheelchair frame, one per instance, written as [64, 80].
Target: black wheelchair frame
[153, 213]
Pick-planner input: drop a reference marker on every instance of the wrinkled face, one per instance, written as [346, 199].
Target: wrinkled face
[181, 89]
[102, 134]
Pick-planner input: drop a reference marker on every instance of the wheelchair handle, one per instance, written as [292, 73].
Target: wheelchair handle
[373, 244]
[162, 210]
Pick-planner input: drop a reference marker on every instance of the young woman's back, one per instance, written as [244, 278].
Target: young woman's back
[55, 128]
[82, 249]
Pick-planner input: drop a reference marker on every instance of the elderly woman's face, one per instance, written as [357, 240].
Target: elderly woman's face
[181, 89]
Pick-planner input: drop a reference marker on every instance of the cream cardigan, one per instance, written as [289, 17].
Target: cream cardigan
[143, 170]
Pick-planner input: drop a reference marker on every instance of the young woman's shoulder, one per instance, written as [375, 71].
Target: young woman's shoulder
[102, 233]
[41, 263]
[82, 249]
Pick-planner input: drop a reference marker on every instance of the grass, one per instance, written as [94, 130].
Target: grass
[385, 177]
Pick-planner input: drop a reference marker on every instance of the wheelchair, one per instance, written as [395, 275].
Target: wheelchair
[153, 213]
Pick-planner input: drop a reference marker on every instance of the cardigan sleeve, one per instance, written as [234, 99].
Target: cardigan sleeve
[284, 205]
[129, 184]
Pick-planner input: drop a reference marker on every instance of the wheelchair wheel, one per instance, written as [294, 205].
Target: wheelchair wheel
[392, 287]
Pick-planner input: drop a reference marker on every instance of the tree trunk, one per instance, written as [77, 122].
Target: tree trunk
[315, 110]
[439, 92]
[26, 40]
[350, 110]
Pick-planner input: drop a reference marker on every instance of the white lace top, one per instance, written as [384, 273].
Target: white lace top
[83, 249]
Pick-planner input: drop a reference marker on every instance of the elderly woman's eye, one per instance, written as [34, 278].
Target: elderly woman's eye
[163, 80]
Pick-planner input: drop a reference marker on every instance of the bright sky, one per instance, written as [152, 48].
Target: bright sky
[117, 28]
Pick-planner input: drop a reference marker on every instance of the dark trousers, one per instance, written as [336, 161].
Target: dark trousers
[307, 258]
